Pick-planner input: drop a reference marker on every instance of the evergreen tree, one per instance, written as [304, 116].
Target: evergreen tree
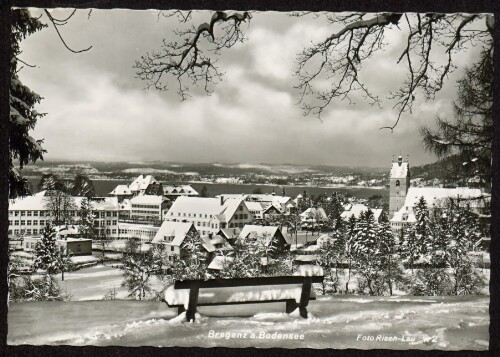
[389, 260]
[138, 268]
[350, 238]
[330, 253]
[367, 254]
[86, 219]
[82, 186]
[47, 252]
[23, 148]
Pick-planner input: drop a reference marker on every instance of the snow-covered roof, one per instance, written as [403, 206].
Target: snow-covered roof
[177, 230]
[33, 202]
[121, 190]
[258, 231]
[230, 233]
[254, 206]
[179, 190]
[105, 203]
[207, 244]
[38, 202]
[142, 182]
[201, 205]
[436, 195]
[147, 199]
[125, 205]
[405, 214]
[399, 169]
[313, 212]
[358, 208]
[218, 262]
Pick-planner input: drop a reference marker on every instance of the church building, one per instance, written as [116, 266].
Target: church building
[399, 184]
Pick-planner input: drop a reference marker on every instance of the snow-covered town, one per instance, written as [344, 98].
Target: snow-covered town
[208, 210]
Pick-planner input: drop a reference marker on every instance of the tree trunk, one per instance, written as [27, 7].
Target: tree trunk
[348, 278]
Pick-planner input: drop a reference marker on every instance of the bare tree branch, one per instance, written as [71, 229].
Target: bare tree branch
[56, 23]
[187, 59]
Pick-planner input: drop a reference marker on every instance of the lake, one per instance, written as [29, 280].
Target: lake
[104, 187]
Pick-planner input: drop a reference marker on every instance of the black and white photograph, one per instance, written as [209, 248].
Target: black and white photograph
[247, 178]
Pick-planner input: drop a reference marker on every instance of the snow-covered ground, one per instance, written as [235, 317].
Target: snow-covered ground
[95, 282]
[449, 323]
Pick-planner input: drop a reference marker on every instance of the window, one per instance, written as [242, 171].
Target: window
[16, 213]
[23, 213]
[28, 231]
[171, 249]
[115, 214]
[108, 214]
[245, 216]
[23, 223]
[28, 213]
[16, 223]
[240, 208]
[78, 248]
[35, 231]
[35, 213]
[397, 183]
[28, 223]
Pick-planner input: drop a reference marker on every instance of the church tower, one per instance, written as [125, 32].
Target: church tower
[399, 185]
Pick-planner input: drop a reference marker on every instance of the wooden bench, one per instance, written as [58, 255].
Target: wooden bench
[295, 291]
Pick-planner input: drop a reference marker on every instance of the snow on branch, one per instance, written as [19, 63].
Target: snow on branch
[335, 62]
[189, 58]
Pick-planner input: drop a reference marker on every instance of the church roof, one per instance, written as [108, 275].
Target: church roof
[435, 195]
[399, 170]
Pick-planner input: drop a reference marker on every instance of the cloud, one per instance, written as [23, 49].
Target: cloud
[97, 110]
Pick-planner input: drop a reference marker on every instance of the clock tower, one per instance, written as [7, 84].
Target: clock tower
[399, 184]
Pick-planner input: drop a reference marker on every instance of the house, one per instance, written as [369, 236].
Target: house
[436, 197]
[171, 235]
[143, 232]
[209, 215]
[29, 215]
[256, 209]
[219, 262]
[271, 235]
[229, 234]
[284, 204]
[357, 209]
[148, 207]
[142, 185]
[313, 216]
[174, 191]
[74, 246]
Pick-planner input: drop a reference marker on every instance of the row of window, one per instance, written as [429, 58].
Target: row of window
[26, 223]
[70, 213]
[143, 212]
[193, 215]
[153, 206]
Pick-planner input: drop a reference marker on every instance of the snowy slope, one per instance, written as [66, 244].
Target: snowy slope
[449, 323]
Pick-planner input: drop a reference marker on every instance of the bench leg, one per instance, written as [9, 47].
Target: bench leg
[193, 300]
[303, 311]
[291, 305]
[304, 297]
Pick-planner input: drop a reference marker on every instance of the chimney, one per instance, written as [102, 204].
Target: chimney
[221, 200]
[400, 160]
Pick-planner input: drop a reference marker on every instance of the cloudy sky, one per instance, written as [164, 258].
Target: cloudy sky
[98, 110]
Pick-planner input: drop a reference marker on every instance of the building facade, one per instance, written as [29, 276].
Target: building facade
[399, 183]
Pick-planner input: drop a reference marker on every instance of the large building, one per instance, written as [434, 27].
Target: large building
[29, 215]
[148, 207]
[404, 198]
[209, 215]
[142, 185]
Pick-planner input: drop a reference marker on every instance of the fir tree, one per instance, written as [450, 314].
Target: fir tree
[86, 219]
[23, 148]
[47, 252]
[350, 238]
[138, 268]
